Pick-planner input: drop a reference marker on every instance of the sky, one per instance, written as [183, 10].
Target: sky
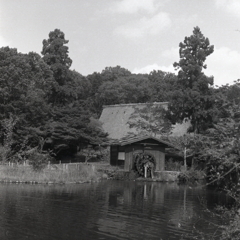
[139, 35]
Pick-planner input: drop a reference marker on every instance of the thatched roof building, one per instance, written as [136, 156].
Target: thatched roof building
[115, 120]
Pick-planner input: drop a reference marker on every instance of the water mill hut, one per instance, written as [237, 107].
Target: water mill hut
[126, 152]
[129, 148]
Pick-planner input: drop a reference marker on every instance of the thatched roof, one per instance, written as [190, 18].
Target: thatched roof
[115, 119]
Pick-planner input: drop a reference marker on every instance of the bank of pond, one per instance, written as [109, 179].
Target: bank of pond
[84, 172]
[194, 216]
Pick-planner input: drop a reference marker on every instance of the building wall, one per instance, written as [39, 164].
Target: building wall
[130, 150]
[114, 156]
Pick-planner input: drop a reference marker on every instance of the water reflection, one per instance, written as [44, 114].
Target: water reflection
[106, 210]
[154, 210]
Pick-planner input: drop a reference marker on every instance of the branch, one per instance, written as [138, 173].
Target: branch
[236, 165]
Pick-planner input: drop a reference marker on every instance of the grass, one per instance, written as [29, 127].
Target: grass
[59, 173]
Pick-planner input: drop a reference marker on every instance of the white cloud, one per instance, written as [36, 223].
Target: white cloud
[133, 6]
[3, 42]
[155, 66]
[223, 64]
[232, 6]
[145, 26]
[172, 53]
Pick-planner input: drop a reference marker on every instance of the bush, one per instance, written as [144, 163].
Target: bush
[191, 175]
[39, 161]
[171, 165]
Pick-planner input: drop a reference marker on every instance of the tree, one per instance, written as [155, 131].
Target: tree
[194, 98]
[80, 85]
[113, 73]
[70, 127]
[190, 146]
[161, 84]
[55, 54]
[7, 126]
[124, 89]
[106, 87]
[70, 115]
[26, 82]
[224, 151]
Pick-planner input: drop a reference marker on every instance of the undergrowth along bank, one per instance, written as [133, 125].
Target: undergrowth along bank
[52, 174]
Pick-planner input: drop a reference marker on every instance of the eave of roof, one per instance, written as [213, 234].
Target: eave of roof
[130, 140]
[135, 104]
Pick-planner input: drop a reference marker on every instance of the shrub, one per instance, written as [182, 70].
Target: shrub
[171, 165]
[191, 175]
[39, 161]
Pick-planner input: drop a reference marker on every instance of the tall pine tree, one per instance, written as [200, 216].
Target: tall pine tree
[55, 54]
[193, 100]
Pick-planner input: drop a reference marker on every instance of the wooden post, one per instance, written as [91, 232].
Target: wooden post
[145, 171]
[185, 158]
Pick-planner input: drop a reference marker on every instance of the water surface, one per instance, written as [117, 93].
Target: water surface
[108, 210]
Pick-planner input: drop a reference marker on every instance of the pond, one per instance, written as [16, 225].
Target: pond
[108, 210]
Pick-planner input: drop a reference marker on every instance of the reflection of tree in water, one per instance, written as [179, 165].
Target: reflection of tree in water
[184, 214]
[156, 209]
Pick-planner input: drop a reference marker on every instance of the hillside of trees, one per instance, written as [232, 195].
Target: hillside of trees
[47, 106]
